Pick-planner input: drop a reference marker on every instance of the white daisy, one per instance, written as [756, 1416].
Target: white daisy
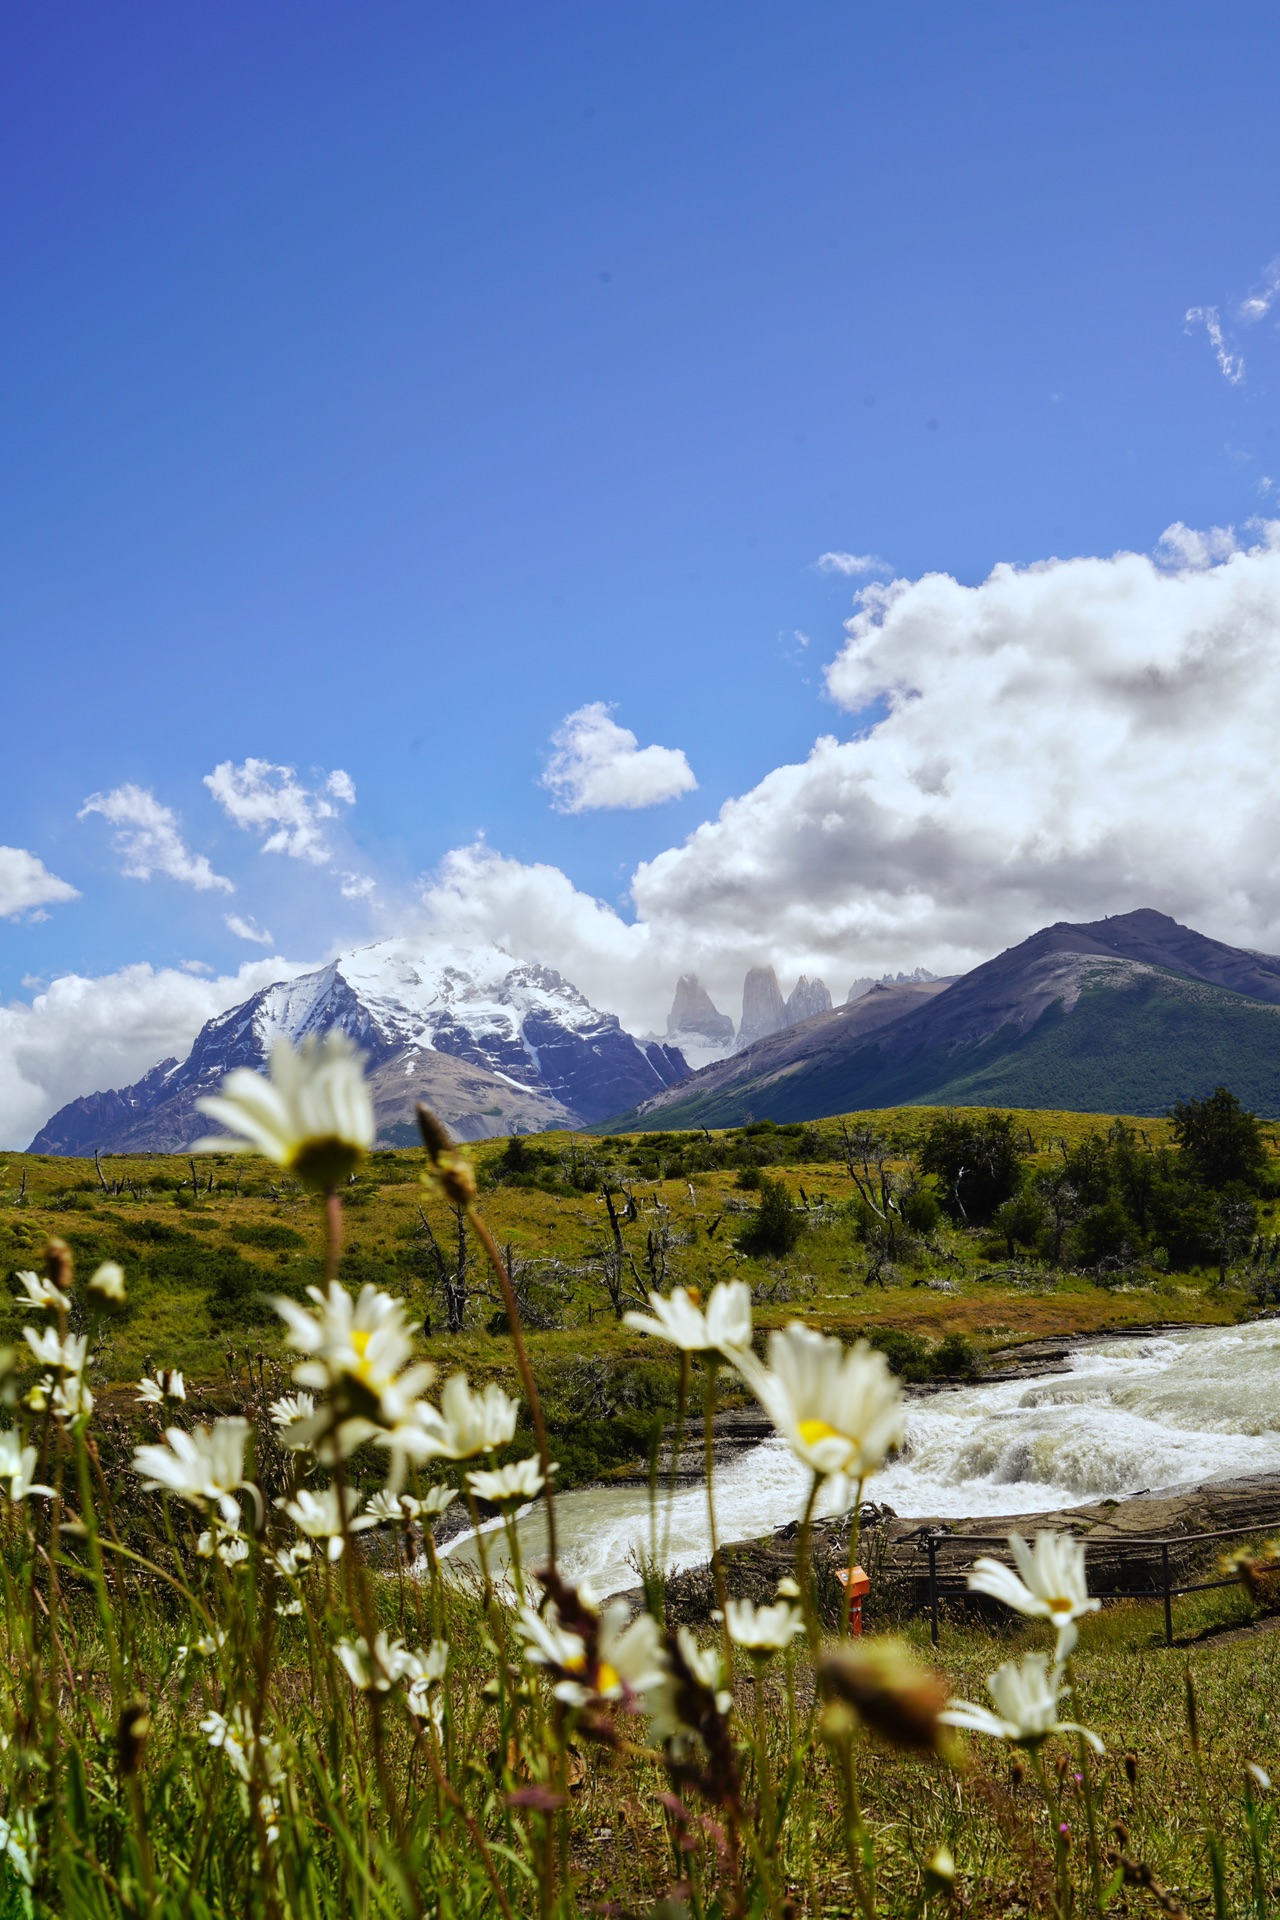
[725, 1326]
[1026, 1694]
[313, 1116]
[201, 1467]
[841, 1410]
[1053, 1586]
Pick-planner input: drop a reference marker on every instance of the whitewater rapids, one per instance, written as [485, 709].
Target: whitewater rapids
[1148, 1412]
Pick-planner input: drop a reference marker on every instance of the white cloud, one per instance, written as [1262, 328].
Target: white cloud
[1061, 741]
[80, 1035]
[358, 886]
[246, 928]
[1181, 547]
[597, 763]
[852, 563]
[1258, 305]
[271, 801]
[1230, 363]
[148, 839]
[27, 886]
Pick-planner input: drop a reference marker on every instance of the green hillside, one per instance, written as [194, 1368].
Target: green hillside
[1136, 1049]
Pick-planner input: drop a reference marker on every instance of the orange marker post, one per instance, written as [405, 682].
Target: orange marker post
[856, 1582]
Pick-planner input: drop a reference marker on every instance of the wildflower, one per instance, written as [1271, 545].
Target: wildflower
[313, 1116]
[290, 1408]
[64, 1355]
[201, 1467]
[424, 1672]
[208, 1643]
[762, 1631]
[511, 1485]
[108, 1281]
[359, 1353]
[289, 1609]
[1052, 1586]
[673, 1715]
[841, 1412]
[292, 1561]
[901, 1700]
[18, 1466]
[725, 1327]
[167, 1385]
[67, 1394]
[1260, 1778]
[228, 1543]
[269, 1809]
[787, 1588]
[39, 1292]
[39, 1394]
[378, 1669]
[321, 1516]
[620, 1656]
[234, 1735]
[1026, 1694]
[71, 1397]
[404, 1507]
[465, 1424]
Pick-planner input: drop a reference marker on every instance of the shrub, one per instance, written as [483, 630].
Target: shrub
[774, 1227]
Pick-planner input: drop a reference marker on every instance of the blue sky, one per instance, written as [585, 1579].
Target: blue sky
[382, 385]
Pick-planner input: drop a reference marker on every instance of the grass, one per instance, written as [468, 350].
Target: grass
[202, 1265]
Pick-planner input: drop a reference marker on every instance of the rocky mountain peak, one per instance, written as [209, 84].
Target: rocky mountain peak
[694, 1013]
[494, 1043]
[806, 998]
[764, 1011]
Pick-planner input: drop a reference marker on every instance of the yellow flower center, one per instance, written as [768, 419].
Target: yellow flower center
[608, 1677]
[811, 1431]
[360, 1340]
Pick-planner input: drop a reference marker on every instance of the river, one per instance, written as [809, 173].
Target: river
[1152, 1411]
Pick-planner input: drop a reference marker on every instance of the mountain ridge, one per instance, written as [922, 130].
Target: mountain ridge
[495, 1044]
[1004, 1029]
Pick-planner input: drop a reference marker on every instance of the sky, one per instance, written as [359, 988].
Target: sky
[657, 486]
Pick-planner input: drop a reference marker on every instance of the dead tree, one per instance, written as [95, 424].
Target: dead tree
[450, 1277]
[617, 1268]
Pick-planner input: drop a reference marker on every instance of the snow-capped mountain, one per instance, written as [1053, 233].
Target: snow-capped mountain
[494, 1044]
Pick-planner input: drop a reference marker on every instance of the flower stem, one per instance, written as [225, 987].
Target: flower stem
[498, 1264]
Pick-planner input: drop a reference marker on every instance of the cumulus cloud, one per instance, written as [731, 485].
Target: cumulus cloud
[149, 840]
[246, 928]
[597, 763]
[27, 886]
[852, 563]
[83, 1034]
[272, 802]
[1061, 741]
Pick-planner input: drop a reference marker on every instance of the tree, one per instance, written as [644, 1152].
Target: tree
[1219, 1140]
[978, 1163]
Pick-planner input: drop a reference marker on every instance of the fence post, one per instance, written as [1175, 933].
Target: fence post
[1168, 1601]
[933, 1590]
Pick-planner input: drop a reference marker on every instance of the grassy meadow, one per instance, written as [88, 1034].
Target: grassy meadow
[215, 1723]
[205, 1244]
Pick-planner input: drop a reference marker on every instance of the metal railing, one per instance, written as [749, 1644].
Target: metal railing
[1126, 1546]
